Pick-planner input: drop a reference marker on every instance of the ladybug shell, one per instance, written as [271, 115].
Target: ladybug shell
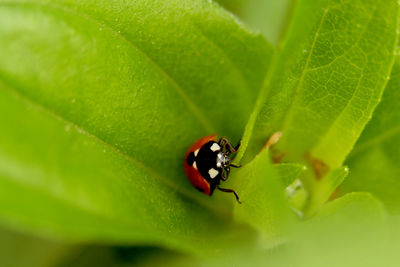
[193, 174]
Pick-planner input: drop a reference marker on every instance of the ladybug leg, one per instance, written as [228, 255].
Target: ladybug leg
[227, 146]
[225, 173]
[224, 143]
[230, 191]
[235, 165]
[224, 176]
[238, 145]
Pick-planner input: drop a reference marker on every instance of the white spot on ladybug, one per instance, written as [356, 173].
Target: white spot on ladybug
[219, 164]
[213, 173]
[194, 165]
[215, 147]
[196, 152]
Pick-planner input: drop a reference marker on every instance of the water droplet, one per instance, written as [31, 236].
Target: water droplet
[289, 191]
[299, 213]
[298, 184]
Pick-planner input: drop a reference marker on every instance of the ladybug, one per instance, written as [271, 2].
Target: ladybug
[208, 161]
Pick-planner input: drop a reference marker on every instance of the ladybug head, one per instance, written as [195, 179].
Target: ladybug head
[223, 160]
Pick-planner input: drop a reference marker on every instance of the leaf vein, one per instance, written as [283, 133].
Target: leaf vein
[235, 67]
[296, 90]
[117, 151]
[354, 93]
[206, 123]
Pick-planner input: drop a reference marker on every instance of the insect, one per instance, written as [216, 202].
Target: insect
[208, 161]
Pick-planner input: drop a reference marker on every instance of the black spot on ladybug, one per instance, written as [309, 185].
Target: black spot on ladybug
[190, 159]
[207, 160]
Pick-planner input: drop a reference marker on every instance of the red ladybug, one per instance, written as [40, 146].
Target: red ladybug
[208, 161]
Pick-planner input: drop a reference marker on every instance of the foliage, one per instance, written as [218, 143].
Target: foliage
[100, 99]
[375, 159]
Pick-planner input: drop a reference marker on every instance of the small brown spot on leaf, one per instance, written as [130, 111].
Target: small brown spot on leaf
[278, 158]
[334, 195]
[272, 140]
[320, 167]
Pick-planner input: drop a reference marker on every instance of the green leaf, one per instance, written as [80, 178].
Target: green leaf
[261, 190]
[324, 188]
[374, 162]
[19, 250]
[327, 79]
[349, 231]
[289, 172]
[356, 206]
[234, 6]
[267, 16]
[99, 101]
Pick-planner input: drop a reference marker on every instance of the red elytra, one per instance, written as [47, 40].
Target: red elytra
[194, 176]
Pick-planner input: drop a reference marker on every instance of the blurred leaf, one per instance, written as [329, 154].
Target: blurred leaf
[289, 172]
[262, 193]
[374, 162]
[102, 256]
[324, 188]
[267, 16]
[234, 6]
[350, 231]
[98, 256]
[99, 101]
[327, 79]
[353, 206]
[19, 250]
[347, 232]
